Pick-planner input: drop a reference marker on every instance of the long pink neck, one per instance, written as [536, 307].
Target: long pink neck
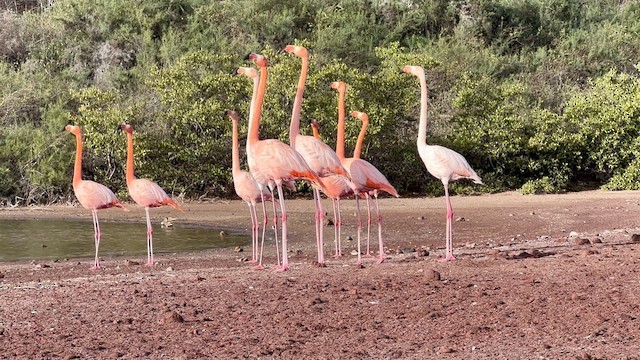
[252, 108]
[254, 127]
[422, 128]
[358, 149]
[294, 128]
[77, 166]
[235, 153]
[340, 136]
[129, 172]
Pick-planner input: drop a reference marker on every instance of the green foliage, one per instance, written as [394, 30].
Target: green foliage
[541, 96]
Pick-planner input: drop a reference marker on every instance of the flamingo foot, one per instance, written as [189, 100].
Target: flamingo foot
[150, 264]
[368, 255]
[337, 256]
[258, 267]
[253, 261]
[380, 260]
[96, 267]
[447, 258]
[281, 268]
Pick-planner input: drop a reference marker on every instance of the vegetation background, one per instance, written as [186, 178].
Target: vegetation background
[541, 96]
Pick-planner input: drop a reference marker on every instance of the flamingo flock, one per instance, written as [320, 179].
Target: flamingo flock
[274, 164]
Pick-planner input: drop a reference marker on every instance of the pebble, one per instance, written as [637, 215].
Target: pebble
[573, 234]
[354, 252]
[432, 275]
[328, 222]
[1, 276]
[445, 350]
[458, 219]
[635, 238]
[587, 252]
[172, 316]
[582, 241]
[407, 250]
[238, 249]
[169, 268]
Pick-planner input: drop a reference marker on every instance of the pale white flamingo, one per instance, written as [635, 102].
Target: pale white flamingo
[364, 175]
[444, 164]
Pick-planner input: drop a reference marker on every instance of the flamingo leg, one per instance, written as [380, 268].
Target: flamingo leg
[319, 226]
[339, 226]
[359, 223]
[265, 221]
[275, 222]
[150, 260]
[381, 255]
[96, 238]
[283, 210]
[335, 228]
[368, 197]
[448, 256]
[254, 240]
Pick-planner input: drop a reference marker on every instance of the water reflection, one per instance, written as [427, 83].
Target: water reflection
[59, 239]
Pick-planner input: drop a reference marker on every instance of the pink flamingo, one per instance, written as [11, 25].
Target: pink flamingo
[337, 187]
[144, 192]
[90, 194]
[445, 164]
[318, 155]
[356, 155]
[274, 159]
[261, 179]
[248, 190]
[364, 175]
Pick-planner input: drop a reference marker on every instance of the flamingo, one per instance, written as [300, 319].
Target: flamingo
[260, 179]
[275, 160]
[90, 194]
[337, 187]
[441, 162]
[356, 155]
[144, 192]
[364, 175]
[248, 190]
[318, 155]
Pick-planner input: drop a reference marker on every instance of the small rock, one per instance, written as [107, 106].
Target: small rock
[596, 240]
[573, 234]
[635, 238]
[299, 252]
[423, 252]
[349, 238]
[432, 275]
[532, 213]
[328, 222]
[420, 217]
[238, 249]
[200, 278]
[222, 233]
[169, 269]
[408, 250]
[354, 252]
[1, 276]
[446, 350]
[172, 316]
[43, 245]
[582, 241]
[587, 252]
[460, 218]
[131, 262]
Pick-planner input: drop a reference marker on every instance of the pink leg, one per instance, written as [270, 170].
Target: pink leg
[381, 255]
[448, 256]
[335, 228]
[359, 222]
[319, 226]
[368, 253]
[150, 260]
[96, 239]
[275, 222]
[285, 257]
[339, 226]
[254, 240]
[265, 221]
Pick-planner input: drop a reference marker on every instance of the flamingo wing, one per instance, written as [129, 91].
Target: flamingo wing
[367, 177]
[444, 163]
[147, 193]
[319, 156]
[247, 188]
[337, 186]
[276, 160]
[93, 195]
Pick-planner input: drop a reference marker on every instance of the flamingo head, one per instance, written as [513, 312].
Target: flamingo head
[314, 123]
[248, 72]
[258, 59]
[126, 128]
[361, 116]
[414, 70]
[299, 51]
[232, 115]
[75, 130]
[339, 85]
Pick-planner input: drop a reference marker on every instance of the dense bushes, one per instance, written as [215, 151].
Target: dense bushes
[541, 96]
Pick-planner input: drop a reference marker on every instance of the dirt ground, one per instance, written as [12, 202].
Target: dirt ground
[545, 277]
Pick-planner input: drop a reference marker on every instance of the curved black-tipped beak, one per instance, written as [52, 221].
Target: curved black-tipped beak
[246, 57]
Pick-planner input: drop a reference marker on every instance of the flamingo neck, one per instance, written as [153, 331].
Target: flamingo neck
[252, 107]
[294, 128]
[129, 172]
[422, 128]
[316, 133]
[254, 127]
[340, 135]
[235, 156]
[358, 149]
[77, 166]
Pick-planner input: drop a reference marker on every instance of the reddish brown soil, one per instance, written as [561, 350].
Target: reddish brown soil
[522, 288]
